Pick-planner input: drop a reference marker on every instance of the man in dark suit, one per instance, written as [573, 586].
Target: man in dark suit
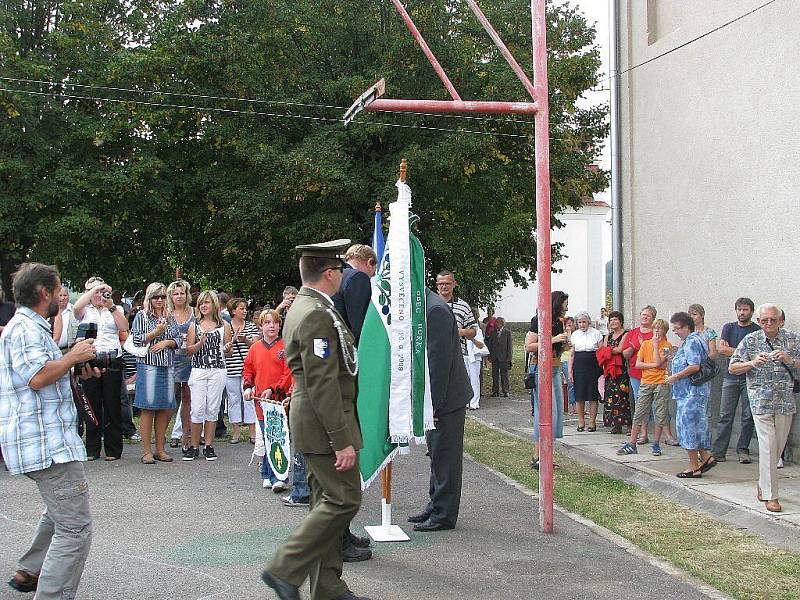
[501, 352]
[353, 297]
[352, 301]
[450, 393]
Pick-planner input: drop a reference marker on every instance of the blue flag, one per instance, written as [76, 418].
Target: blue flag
[377, 235]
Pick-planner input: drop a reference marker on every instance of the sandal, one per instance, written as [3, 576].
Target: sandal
[672, 442]
[147, 459]
[690, 474]
[163, 457]
[709, 464]
[642, 439]
[581, 429]
[111, 458]
[591, 429]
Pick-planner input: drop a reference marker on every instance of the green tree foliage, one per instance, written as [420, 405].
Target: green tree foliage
[224, 189]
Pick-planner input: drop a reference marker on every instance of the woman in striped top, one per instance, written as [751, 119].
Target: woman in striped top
[179, 309]
[207, 343]
[244, 334]
[155, 393]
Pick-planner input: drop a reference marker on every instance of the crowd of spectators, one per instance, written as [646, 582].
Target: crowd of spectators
[636, 373]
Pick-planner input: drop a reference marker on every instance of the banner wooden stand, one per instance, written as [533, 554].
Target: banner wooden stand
[386, 531]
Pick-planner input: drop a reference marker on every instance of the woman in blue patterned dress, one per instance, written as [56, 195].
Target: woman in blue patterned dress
[692, 414]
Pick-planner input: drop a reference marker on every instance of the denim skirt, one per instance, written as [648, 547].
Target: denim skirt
[155, 389]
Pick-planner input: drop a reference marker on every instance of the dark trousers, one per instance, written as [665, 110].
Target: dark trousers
[104, 396]
[500, 376]
[126, 402]
[733, 393]
[314, 549]
[446, 449]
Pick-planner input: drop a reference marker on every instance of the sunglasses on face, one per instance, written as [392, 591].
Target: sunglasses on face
[158, 297]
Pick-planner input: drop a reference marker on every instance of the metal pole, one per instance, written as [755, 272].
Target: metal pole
[616, 163]
[543, 265]
[424, 45]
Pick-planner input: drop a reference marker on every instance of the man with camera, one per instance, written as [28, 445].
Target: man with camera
[39, 435]
[99, 317]
[770, 359]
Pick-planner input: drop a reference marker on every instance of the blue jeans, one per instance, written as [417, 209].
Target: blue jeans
[300, 489]
[558, 407]
[266, 469]
[570, 387]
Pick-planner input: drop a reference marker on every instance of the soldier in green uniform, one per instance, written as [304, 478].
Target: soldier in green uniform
[320, 351]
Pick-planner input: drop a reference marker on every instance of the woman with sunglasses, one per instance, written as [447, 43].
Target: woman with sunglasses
[155, 374]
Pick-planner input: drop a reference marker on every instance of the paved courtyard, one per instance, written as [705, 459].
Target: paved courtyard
[197, 531]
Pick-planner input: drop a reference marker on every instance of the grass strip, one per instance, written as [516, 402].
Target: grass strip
[733, 562]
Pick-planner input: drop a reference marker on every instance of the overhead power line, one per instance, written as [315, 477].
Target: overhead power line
[691, 41]
[248, 100]
[254, 113]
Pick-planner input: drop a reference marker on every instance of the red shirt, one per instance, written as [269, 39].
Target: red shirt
[632, 341]
[265, 368]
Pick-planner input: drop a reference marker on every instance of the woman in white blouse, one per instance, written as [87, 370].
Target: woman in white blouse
[584, 370]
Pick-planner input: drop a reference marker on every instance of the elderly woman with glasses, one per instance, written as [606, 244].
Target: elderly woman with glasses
[584, 371]
[691, 418]
[155, 375]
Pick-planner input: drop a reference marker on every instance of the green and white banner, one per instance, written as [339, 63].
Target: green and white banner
[394, 404]
[276, 438]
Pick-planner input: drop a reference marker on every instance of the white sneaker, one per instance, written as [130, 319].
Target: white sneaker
[780, 463]
[266, 484]
[279, 487]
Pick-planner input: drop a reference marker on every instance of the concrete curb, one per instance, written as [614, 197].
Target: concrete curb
[775, 533]
[659, 563]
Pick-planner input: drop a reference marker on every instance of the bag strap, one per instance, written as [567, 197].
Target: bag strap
[785, 366]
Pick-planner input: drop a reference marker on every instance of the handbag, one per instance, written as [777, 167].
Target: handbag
[529, 379]
[708, 370]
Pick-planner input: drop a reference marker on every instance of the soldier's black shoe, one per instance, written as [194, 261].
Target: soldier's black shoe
[357, 540]
[284, 589]
[420, 518]
[353, 553]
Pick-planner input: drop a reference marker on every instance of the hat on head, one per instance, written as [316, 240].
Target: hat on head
[334, 249]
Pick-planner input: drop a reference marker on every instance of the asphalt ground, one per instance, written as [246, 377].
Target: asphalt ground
[203, 530]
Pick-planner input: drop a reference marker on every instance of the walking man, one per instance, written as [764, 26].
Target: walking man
[734, 387]
[320, 351]
[39, 435]
[770, 358]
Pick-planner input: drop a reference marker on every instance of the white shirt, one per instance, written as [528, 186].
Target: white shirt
[602, 325]
[107, 332]
[66, 319]
[586, 341]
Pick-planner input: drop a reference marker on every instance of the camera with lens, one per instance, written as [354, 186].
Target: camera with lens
[106, 295]
[102, 360]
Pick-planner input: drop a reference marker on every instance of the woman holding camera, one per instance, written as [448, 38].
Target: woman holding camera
[155, 391]
[96, 306]
[178, 296]
[244, 334]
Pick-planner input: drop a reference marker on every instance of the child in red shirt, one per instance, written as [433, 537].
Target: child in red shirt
[266, 376]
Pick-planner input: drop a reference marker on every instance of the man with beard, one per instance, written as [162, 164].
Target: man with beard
[734, 387]
[39, 435]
